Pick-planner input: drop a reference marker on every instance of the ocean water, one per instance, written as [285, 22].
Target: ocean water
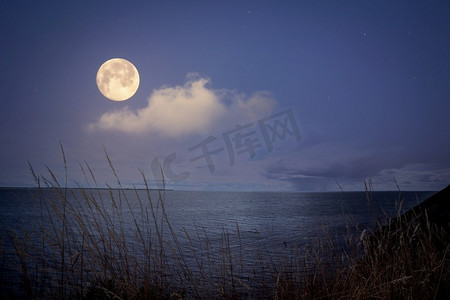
[274, 216]
[257, 224]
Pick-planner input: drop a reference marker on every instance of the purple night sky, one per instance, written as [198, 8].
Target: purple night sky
[366, 83]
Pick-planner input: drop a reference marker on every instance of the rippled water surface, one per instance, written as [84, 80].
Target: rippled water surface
[265, 216]
[257, 223]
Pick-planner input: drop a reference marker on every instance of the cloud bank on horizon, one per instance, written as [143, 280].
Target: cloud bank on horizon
[194, 108]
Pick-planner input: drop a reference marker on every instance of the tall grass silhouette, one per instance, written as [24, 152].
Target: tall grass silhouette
[90, 246]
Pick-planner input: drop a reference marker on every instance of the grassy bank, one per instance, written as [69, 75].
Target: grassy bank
[81, 247]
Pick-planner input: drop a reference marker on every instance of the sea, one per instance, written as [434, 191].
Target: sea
[256, 224]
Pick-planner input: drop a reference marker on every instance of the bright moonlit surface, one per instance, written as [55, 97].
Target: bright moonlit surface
[118, 79]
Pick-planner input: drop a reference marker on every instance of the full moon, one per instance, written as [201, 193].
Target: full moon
[117, 79]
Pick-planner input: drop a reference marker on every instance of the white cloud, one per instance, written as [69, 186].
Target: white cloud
[182, 110]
